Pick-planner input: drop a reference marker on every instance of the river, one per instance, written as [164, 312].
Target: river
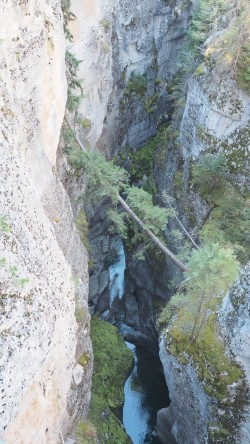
[145, 389]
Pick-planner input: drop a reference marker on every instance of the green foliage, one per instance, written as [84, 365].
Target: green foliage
[73, 101]
[86, 123]
[67, 17]
[215, 370]
[153, 216]
[150, 103]
[209, 16]
[193, 315]
[80, 314]
[211, 174]
[236, 45]
[119, 225]
[230, 220]
[229, 224]
[4, 224]
[86, 433]
[82, 228]
[138, 84]
[105, 24]
[74, 84]
[211, 270]
[105, 179]
[177, 302]
[23, 281]
[143, 158]
[3, 262]
[84, 359]
[112, 361]
[72, 63]
[200, 70]
[13, 270]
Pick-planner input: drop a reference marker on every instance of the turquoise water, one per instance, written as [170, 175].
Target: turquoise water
[145, 393]
[145, 389]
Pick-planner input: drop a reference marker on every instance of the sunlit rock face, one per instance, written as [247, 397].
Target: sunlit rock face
[41, 252]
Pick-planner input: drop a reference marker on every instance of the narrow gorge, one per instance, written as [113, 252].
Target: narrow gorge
[112, 109]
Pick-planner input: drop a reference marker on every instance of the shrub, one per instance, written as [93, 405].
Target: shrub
[210, 174]
[86, 433]
[105, 24]
[138, 84]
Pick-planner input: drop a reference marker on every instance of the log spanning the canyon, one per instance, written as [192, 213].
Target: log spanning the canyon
[127, 208]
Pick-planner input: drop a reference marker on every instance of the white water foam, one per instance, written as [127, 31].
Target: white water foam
[116, 272]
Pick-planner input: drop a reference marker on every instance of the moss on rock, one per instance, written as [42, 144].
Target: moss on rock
[214, 368]
[112, 361]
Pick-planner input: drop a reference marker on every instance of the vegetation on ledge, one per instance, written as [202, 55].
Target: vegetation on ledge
[193, 336]
[112, 361]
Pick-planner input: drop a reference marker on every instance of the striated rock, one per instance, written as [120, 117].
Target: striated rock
[197, 414]
[235, 321]
[190, 409]
[165, 422]
[115, 39]
[41, 254]
[216, 117]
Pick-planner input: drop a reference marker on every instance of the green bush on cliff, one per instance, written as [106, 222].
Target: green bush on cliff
[75, 91]
[210, 174]
[193, 334]
[138, 84]
[67, 17]
[143, 158]
[211, 271]
[86, 433]
[230, 219]
[107, 180]
[236, 45]
[82, 228]
[215, 369]
[112, 361]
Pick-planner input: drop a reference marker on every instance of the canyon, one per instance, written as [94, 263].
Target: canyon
[128, 53]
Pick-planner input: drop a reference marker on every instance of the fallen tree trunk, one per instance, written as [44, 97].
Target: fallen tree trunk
[127, 208]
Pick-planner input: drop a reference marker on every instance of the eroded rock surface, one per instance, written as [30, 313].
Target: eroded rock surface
[42, 390]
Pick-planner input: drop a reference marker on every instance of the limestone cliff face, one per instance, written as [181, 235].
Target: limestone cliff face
[216, 116]
[115, 39]
[193, 414]
[234, 319]
[43, 388]
[190, 409]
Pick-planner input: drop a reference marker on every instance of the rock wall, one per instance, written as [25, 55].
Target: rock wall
[235, 321]
[216, 117]
[115, 39]
[197, 415]
[190, 409]
[43, 264]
